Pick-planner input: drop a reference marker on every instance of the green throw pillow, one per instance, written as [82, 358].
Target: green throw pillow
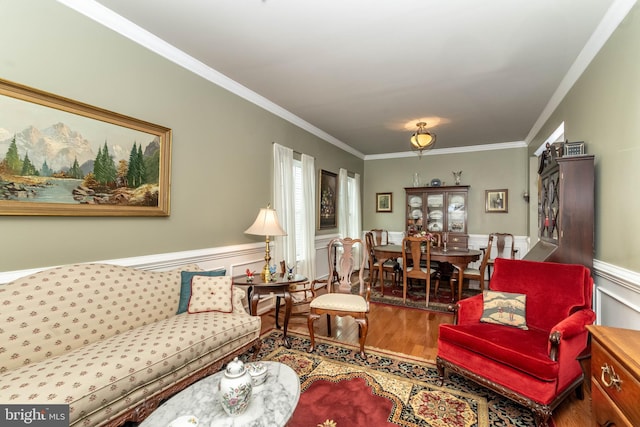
[504, 308]
[185, 285]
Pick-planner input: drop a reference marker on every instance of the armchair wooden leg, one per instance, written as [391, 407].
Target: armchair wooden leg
[310, 320]
[440, 369]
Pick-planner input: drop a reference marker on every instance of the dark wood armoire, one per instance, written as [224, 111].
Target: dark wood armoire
[566, 188]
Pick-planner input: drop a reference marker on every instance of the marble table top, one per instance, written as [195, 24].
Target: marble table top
[272, 403]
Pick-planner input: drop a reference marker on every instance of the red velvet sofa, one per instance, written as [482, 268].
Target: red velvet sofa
[537, 367]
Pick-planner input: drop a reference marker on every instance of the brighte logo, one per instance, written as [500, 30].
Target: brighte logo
[34, 415]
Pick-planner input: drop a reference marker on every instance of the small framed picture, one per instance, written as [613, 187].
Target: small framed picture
[497, 201]
[383, 202]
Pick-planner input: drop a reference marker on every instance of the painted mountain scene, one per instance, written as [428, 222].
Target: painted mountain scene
[58, 157]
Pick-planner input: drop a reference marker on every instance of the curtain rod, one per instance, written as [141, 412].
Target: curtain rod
[294, 151]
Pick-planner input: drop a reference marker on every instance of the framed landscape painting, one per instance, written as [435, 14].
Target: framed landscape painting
[61, 157]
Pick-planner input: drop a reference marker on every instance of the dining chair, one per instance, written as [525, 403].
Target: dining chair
[381, 237]
[443, 270]
[505, 247]
[412, 267]
[478, 274]
[341, 302]
[390, 266]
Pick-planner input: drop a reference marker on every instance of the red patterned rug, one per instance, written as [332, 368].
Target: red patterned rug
[339, 389]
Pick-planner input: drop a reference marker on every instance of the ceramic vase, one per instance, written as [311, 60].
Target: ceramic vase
[235, 388]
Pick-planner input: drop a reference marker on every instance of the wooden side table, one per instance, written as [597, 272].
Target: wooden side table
[279, 287]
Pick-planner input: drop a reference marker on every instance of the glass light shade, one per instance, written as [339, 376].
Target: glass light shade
[266, 224]
[422, 140]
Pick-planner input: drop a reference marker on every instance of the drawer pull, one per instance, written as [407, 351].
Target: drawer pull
[609, 377]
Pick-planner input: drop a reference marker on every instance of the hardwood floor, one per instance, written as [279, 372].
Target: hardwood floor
[414, 332]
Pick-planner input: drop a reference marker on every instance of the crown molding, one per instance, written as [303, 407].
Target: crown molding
[611, 20]
[454, 150]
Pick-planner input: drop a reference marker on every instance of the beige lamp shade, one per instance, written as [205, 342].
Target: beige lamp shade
[266, 224]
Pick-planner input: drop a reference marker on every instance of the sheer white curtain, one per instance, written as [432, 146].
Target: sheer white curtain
[308, 262]
[283, 203]
[343, 204]
[349, 222]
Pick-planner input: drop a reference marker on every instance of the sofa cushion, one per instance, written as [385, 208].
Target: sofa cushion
[122, 370]
[211, 294]
[185, 285]
[504, 308]
[523, 350]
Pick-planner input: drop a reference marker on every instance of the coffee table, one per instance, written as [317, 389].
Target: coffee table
[272, 403]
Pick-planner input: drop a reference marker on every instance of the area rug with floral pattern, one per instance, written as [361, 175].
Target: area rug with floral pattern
[339, 389]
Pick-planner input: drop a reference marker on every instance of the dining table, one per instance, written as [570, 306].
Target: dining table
[458, 257]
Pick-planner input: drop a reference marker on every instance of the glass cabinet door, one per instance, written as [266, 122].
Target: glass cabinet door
[456, 212]
[435, 212]
[414, 218]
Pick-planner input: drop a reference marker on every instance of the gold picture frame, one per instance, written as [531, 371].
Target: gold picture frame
[60, 157]
[384, 202]
[327, 200]
[496, 201]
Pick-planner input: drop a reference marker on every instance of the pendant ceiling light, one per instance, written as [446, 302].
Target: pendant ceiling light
[422, 139]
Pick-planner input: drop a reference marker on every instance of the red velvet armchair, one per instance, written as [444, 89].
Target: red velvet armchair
[537, 367]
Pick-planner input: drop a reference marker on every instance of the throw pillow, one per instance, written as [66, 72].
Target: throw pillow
[211, 294]
[185, 285]
[504, 308]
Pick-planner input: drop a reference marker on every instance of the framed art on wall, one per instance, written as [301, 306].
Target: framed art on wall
[497, 201]
[384, 202]
[60, 157]
[327, 204]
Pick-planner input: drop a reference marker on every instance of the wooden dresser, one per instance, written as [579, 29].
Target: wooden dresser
[615, 376]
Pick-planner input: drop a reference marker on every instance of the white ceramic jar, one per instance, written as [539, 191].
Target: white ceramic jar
[235, 388]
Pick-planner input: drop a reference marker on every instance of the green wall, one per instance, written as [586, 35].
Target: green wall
[222, 144]
[482, 170]
[603, 110]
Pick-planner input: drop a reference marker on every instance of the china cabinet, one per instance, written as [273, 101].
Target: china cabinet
[438, 209]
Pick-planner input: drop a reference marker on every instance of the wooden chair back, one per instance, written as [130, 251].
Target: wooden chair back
[342, 264]
[436, 239]
[412, 256]
[486, 257]
[381, 237]
[505, 246]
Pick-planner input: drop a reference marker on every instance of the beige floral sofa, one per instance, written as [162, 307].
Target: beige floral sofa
[106, 339]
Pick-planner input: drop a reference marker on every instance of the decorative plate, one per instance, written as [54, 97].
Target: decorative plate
[435, 215]
[434, 200]
[415, 201]
[434, 226]
[416, 214]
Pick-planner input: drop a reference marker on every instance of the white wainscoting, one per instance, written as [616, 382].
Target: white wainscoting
[616, 298]
[616, 290]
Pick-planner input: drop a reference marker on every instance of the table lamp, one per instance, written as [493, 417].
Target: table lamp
[266, 224]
